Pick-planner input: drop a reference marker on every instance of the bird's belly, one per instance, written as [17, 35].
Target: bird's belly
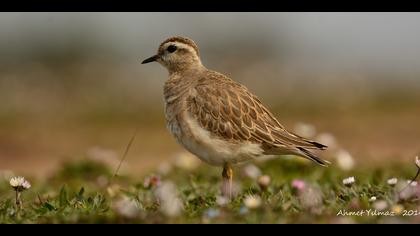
[210, 149]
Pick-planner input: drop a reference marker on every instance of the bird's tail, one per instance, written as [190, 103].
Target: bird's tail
[311, 156]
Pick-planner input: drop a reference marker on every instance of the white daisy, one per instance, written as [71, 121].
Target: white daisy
[252, 201]
[392, 181]
[349, 181]
[16, 181]
[19, 183]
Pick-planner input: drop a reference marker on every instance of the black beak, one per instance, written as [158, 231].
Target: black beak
[150, 59]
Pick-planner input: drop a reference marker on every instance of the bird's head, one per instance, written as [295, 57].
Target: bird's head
[177, 54]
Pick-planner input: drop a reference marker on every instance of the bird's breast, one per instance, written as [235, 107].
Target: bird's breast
[175, 105]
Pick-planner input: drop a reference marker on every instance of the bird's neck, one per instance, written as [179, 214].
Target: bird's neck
[185, 67]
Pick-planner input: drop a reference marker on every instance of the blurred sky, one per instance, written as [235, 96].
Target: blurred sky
[379, 41]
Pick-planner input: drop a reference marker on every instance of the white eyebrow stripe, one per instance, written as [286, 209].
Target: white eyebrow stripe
[180, 45]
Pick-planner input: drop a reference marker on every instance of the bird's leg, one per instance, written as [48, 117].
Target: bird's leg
[227, 180]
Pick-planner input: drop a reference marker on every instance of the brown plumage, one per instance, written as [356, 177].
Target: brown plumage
[218, 119]
[229, 111]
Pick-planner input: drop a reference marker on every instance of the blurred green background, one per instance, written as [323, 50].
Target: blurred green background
[71, 84]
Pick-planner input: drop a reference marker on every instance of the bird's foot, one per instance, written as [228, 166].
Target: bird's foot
[227, 175]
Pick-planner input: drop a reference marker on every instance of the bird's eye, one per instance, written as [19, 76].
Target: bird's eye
[171, 48]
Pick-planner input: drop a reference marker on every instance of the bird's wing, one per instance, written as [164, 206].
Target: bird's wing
[228, 110]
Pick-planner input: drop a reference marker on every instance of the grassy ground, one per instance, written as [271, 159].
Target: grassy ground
[299, 192]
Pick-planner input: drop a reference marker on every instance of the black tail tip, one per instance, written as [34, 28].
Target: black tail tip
[318, 145]
[314, 158]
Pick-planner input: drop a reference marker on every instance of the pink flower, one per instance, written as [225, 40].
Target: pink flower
[151, 181]
[298, 184]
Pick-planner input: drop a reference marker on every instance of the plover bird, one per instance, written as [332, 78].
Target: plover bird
[217, 119]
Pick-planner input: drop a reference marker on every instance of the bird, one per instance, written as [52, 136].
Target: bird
[218, 119]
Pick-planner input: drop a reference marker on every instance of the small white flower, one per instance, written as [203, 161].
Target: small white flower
[372, 199]
[171, 204]
[16, 181]
[252, 201]
[19, 183]
[26, 184]
[417, 162]
[392, 181]
[412, 184]
[349, 181]
[344, 160]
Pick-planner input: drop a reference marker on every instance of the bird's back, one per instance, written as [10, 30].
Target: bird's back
[228, 110]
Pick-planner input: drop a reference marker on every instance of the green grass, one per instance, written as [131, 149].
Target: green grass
[80, 192]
